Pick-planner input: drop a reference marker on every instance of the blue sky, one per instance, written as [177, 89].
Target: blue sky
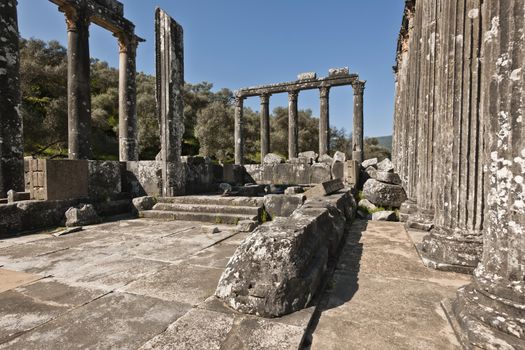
[239, 43]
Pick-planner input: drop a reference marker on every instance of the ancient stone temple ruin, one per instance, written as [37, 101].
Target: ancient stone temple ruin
[305, 81]
[459, 147]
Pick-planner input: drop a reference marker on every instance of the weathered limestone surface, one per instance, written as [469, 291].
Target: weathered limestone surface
[293, 124]
[489, 313]
[265, 125]
[78, 87]
[357, 135]
[84, 214]
[279, 267]
[383, 194]
[11, 140]
[455, 242]
[238, 131]
[170, 105]
[324, 121]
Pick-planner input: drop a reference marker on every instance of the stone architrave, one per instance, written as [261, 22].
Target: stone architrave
[128, 146]
[11, 140]
[78, 82]
[265, 125]
[293, 125]
[455, 242]
[324, 121]
[357, 136]
[170, 105]
[489, 313]
[238, 130]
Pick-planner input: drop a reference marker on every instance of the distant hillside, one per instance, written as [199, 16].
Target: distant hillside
[385, 141]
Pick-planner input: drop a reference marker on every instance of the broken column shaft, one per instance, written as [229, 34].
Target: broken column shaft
[79, 94]
[128, 147]
[265, 125]
[170, 105]
[293, 125]
[11, 137]
[238, 130]
[357, 136]
[324, 121]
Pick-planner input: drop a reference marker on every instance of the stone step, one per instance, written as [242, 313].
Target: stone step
[209, 208]
[215, 200]
[229, 219]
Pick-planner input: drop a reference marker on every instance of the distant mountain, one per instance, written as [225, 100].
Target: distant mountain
[385, 141]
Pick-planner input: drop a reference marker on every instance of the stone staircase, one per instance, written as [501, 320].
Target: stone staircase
[212, 209]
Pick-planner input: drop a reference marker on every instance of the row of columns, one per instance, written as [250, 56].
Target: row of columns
[79, 94]
[293, 124]
[459, 145]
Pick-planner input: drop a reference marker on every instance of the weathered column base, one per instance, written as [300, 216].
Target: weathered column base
[484, 320]
[422, 220]
[408, 208]
[451, 250]
[357, 155]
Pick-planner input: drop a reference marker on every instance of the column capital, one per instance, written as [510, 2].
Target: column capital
[127, 42]
[293, 95]
[325, 91]
[75, 18]
[238, 100]
[359, 87]
[265, 98]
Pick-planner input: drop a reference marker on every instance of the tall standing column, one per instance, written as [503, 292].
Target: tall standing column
[238, 131]
[265, 125]
[489, 313]
[170, 105]
[128, 147]
[293, 125]
[79, 94]
[357, 136]
[11, 140]
[455, 242]
[324, 121]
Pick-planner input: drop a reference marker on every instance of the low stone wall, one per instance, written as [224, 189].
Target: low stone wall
[279, 268]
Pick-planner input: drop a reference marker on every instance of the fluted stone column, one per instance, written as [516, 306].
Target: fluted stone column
[128, 147]
[490, 312]
[238, 130]
[423, 219]
[265, 125]
[357, 136]
[293, 125]
[455, 242]
[78, 84]
[170, 105]
[11, 137]
[324, 121]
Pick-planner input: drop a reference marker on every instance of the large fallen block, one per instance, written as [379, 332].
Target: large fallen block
[279, 267]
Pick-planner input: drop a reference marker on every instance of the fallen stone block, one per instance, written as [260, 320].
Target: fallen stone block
[310, 155]
[320, 172]
[81, 215]
[384, 195]
[272, 158]
[389, 178]
[247, 225]
[325, 158]
[372, 162]
[294, 190]
[277, 205]
[339, 157]
[385, 165]
[365, 203]
[13, 196]
[325, 188]
[144, 203]
[384, 215]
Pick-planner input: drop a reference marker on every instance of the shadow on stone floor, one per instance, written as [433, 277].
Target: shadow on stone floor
[343, 283]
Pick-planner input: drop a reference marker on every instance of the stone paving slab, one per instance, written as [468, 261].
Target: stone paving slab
[115, 321]
[382, 297]
[11, 279]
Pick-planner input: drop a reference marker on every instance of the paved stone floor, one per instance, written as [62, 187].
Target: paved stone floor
[131, 284]
[382, 297]
[142, 284]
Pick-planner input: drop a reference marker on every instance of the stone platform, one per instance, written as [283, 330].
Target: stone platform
[128, 285]
[382, 296]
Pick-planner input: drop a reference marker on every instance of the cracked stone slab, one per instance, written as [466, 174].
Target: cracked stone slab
[116, 321]
[183, 283]
[29, 306]
[11, 279]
